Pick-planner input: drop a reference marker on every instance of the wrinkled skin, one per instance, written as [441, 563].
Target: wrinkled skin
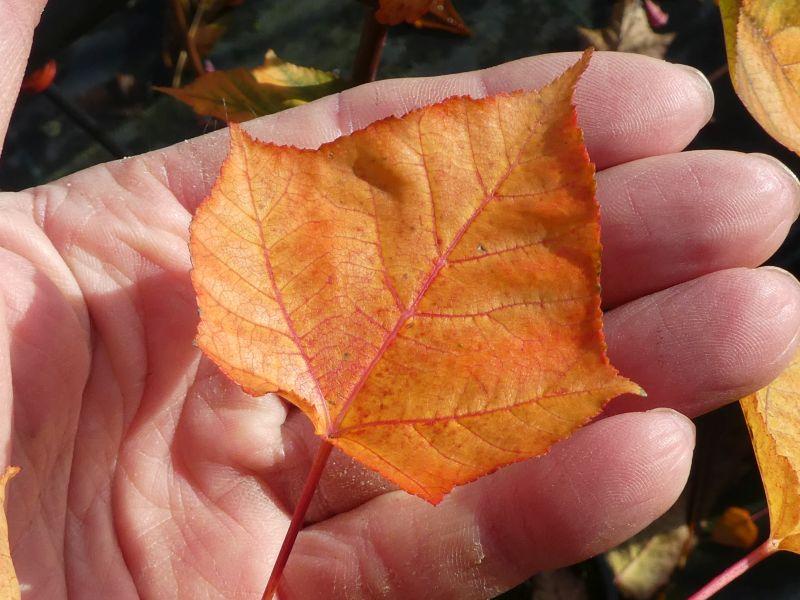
[146, 473]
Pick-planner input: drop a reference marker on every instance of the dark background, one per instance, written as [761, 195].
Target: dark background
[109, 55]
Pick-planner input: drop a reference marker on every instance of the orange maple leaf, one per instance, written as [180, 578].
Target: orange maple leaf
[426, 290]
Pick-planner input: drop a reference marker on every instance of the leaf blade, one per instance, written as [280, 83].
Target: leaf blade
[389, 260]
[763, 45]
[773, 418]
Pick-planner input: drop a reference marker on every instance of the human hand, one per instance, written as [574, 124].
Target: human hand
[147, 473]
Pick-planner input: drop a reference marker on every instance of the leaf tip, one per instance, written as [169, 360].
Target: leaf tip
[434, 499]
[236, 131]
[582, 63]
[239, 138]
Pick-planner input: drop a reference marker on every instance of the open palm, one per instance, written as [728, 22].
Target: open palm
[147, 474]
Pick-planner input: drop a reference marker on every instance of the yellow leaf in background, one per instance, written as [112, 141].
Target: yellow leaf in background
[773, 417]
[242, 94]
[763, 42]
[276, 71]
[735, 528]
[729, 11]
[9, 587]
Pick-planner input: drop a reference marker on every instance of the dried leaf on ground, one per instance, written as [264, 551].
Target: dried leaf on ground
[628, 31]
[426, 290]
[242, 94]
[735, 528]
[763, 43]
[435, 14]
[644, 564]
[773, 417]
[9, 586]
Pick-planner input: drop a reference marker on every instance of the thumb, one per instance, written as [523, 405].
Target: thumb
[18, 18]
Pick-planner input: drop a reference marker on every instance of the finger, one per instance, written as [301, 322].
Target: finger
[701, 344]
[17, 20]
[588, 494]
[669, 219]
[629, 106]
[693, 347]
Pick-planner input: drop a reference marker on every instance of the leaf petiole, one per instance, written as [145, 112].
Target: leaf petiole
[296, 524]
[738, 568]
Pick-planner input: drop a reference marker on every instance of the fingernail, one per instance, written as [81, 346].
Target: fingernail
[782, 273]
[787, 175]
[681, 423]
[703, 86]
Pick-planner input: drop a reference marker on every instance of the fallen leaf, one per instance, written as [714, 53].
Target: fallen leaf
[241, 94]
[426, 290]
[628, 31]
[735, 528]
[763, 43]
[644, 564]
[438, 14]
[773, 417]
[9, 586]
[443, 15]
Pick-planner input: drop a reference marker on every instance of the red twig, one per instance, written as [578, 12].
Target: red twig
[370, 48]
[735, 570]
[310, 486]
